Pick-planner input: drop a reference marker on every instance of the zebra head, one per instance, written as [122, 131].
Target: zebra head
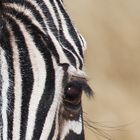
[41, 72]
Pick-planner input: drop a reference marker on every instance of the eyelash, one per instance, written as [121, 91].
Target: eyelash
[84, 85]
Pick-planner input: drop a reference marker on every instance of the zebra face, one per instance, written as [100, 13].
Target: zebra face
[41, 76]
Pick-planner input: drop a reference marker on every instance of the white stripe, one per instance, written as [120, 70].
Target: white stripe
[5, 85]
[17, 89]
[55, 104]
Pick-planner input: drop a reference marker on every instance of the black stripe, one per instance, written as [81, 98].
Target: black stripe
[13, 1]
[58, 18]
[36, 14]
[6, 45]
[48, 95]
[33, 10]
[48, 16]
[53, 129]
[48, 42]
[74, 136]
[71, 29]
[26, 74]
[45, 102]
[10, 95]
[1, 36]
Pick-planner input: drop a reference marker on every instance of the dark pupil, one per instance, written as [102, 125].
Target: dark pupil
[73, 95]
[72, 92]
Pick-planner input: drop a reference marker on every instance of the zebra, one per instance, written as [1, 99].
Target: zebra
[41, 72]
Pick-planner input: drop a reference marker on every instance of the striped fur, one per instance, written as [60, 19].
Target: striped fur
[39, 51]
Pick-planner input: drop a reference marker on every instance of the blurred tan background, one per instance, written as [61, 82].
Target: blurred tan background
[112, 31]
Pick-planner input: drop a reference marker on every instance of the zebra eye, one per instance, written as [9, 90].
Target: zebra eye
[71, 107]
[72, 94]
